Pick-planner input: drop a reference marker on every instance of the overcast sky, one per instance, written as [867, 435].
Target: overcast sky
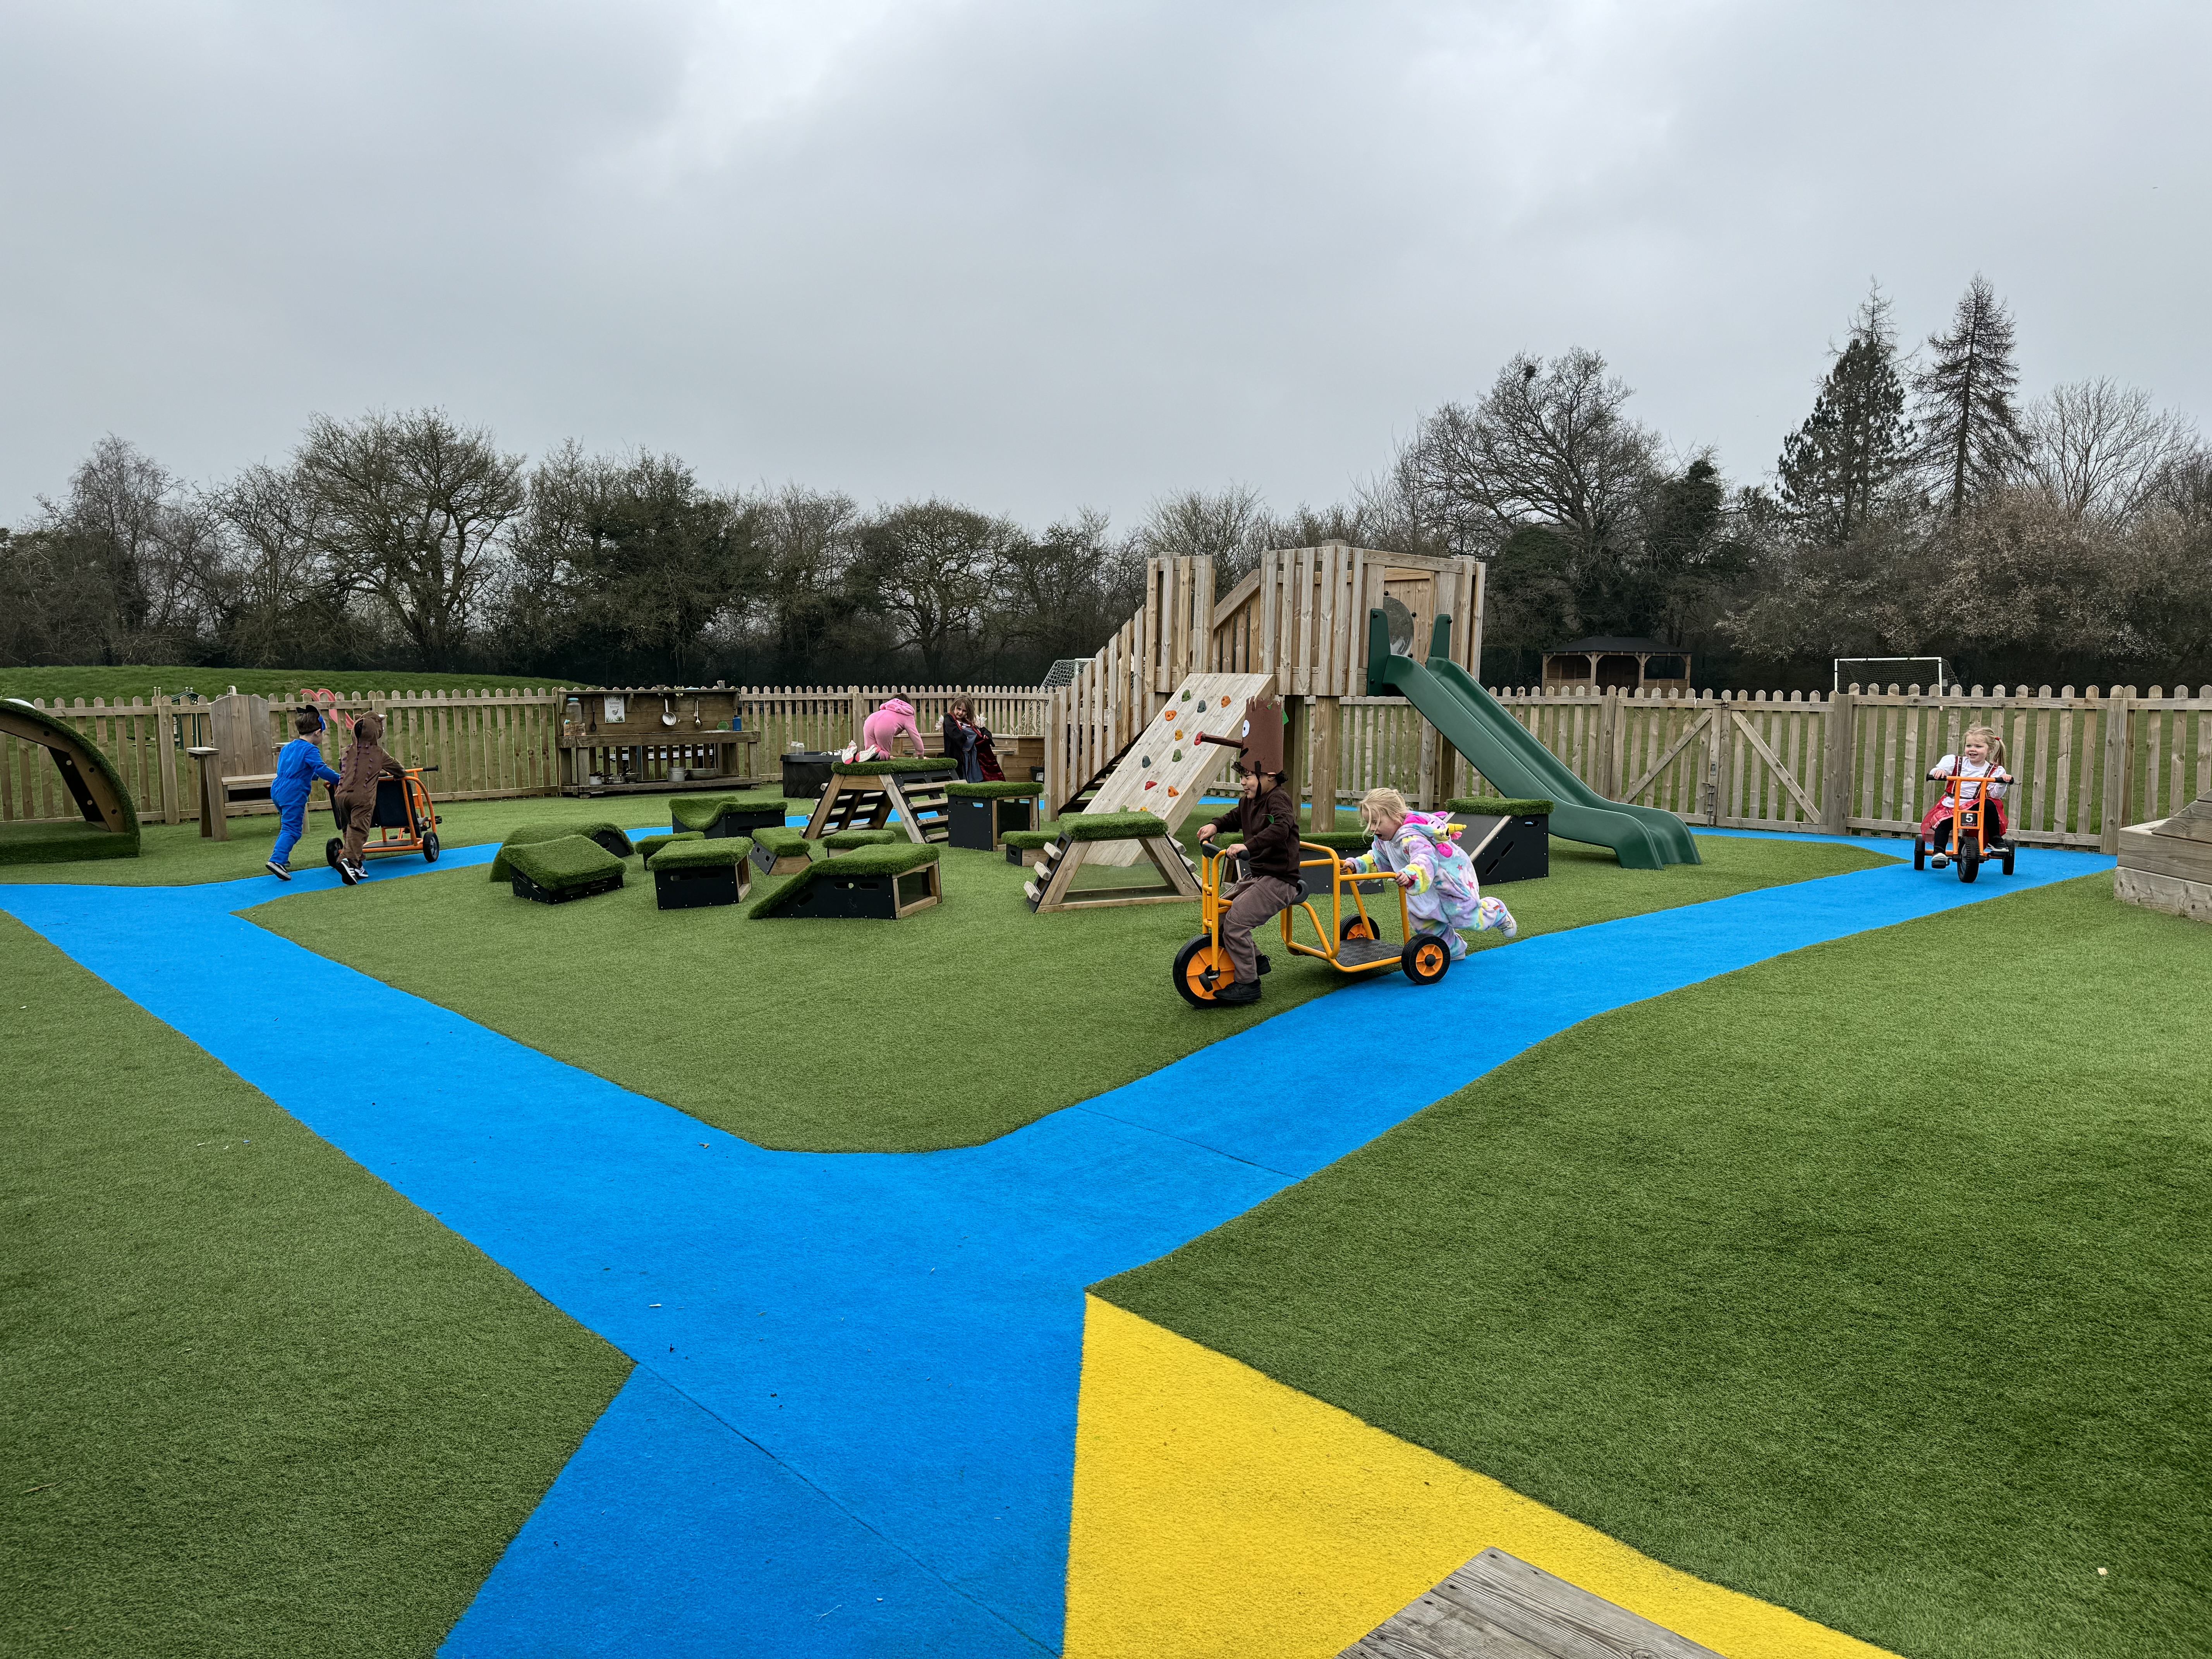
[1038, 256]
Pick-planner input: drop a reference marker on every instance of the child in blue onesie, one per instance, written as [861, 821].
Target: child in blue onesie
[298, 765]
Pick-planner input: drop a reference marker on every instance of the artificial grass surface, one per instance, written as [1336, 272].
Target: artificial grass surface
[886, 860]
[697, 853]
[1068, 1005]
[1500, 806]
[886, 764]
[43, 844]
[1870, 1280]
[844, 841]
[173, 854]
[784, 840]
[647, 846]
[1112, 826]
[256, 1402]
[1008, 789]
[606, 833]
[568, 861]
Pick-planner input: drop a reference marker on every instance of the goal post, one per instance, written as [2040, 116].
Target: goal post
[1943, 673]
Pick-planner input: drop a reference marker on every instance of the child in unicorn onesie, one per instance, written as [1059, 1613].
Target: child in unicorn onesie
[1441, 889]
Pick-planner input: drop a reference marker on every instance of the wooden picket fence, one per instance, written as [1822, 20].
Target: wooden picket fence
[2086, 761]
[485, 744]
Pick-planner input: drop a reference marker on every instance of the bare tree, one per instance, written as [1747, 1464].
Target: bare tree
[2099, 448]
[271, 590]
[1550, 444]
[805, 542]
[409, 507]
[1966, 417]
[926, 568]
[1230, 526]
[126, 518]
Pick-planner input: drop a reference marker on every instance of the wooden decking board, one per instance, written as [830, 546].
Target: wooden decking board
[1498, 1607]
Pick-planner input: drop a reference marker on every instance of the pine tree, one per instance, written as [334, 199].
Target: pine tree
[1838, 468]
[1971, 433]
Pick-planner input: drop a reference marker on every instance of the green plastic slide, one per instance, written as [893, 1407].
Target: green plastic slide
[1501, 749]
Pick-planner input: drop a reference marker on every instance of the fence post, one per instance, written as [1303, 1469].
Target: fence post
[1835, 768]
[2114, 805]
[1325, 767]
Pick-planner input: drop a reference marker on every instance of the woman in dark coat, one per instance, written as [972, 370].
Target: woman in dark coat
[960, 735]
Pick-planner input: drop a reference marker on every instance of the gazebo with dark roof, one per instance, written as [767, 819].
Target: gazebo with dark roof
[1605, 663]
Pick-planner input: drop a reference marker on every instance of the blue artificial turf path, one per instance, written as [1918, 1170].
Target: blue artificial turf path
[851, 1425]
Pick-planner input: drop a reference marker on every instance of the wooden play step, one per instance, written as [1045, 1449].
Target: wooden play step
[1498, 1606]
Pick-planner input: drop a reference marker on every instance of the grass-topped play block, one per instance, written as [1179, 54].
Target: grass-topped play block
[845, 841]
[719, 816]
[697, 872]
[979, 816]
[1052, 886]
[556, 871]
[1509, 840]
[906, 794]
[1020, 842]
[609, 837]
[878, 883]
[648, 845]
[780, 850]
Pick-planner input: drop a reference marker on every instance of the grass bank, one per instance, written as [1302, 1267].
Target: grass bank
[1869, 1280]
[128, 681]
[740, 1022]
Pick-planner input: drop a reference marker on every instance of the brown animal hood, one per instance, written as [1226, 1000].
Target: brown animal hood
[369, 729]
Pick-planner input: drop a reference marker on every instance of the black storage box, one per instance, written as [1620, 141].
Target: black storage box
[806, 773]
[1516, 848]
[694, 887]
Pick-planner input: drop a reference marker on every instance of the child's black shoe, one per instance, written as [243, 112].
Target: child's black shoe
[347, 874]
[1238, 995]
[279, 871]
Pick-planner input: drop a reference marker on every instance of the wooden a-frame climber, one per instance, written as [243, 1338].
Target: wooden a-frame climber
[858, 798]
[1052, 884]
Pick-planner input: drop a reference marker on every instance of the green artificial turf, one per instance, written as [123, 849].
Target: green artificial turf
[568, 861]
[647, 846]
[256, 1403]
[878, 768]
[784, 840]
[893, 860]
[173, 854]
[702, 812]
[129, 683]
[1030, 840]
[697, 853]
[844, 841]
[1500, 806]
[1008, 790]
[1067, 1005]
[42, 844]
[1113, 826]
[608, 834]
[1339, 841]
[1871, 1280]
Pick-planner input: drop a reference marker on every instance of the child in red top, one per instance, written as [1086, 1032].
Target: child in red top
[1979, 766]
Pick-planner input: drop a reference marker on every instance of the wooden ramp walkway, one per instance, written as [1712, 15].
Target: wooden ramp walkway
[1498, 1607]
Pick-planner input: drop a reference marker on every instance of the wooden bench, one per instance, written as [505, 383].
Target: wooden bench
[221, 793]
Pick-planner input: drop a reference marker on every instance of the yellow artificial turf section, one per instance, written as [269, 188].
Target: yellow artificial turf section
[947, 1029]
[1871, 1281]
[255, 1402]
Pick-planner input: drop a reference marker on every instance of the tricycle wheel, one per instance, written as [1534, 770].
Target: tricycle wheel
[1202, 968]
[331, 848]
[1357, 927]
[1969, 862]
[429, 849]
[2007, 860]
[1919, 853]
[1425, 959]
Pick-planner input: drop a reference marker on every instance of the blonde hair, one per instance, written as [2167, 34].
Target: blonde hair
[1379, 804]
[1989, 735]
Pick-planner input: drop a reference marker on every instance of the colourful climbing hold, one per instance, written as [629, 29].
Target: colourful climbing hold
[1225, 703]
[1152, 783]
[1178, 753]
[1178, 739]
[1173, 790]
[1186, 693]
[1144, 760]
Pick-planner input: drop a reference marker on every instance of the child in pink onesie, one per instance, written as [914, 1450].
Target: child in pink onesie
[883, 728]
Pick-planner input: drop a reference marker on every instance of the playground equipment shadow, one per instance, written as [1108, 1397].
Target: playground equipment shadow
[851, 1428]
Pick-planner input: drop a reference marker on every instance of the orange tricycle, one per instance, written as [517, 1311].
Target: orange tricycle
[1970, 834]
